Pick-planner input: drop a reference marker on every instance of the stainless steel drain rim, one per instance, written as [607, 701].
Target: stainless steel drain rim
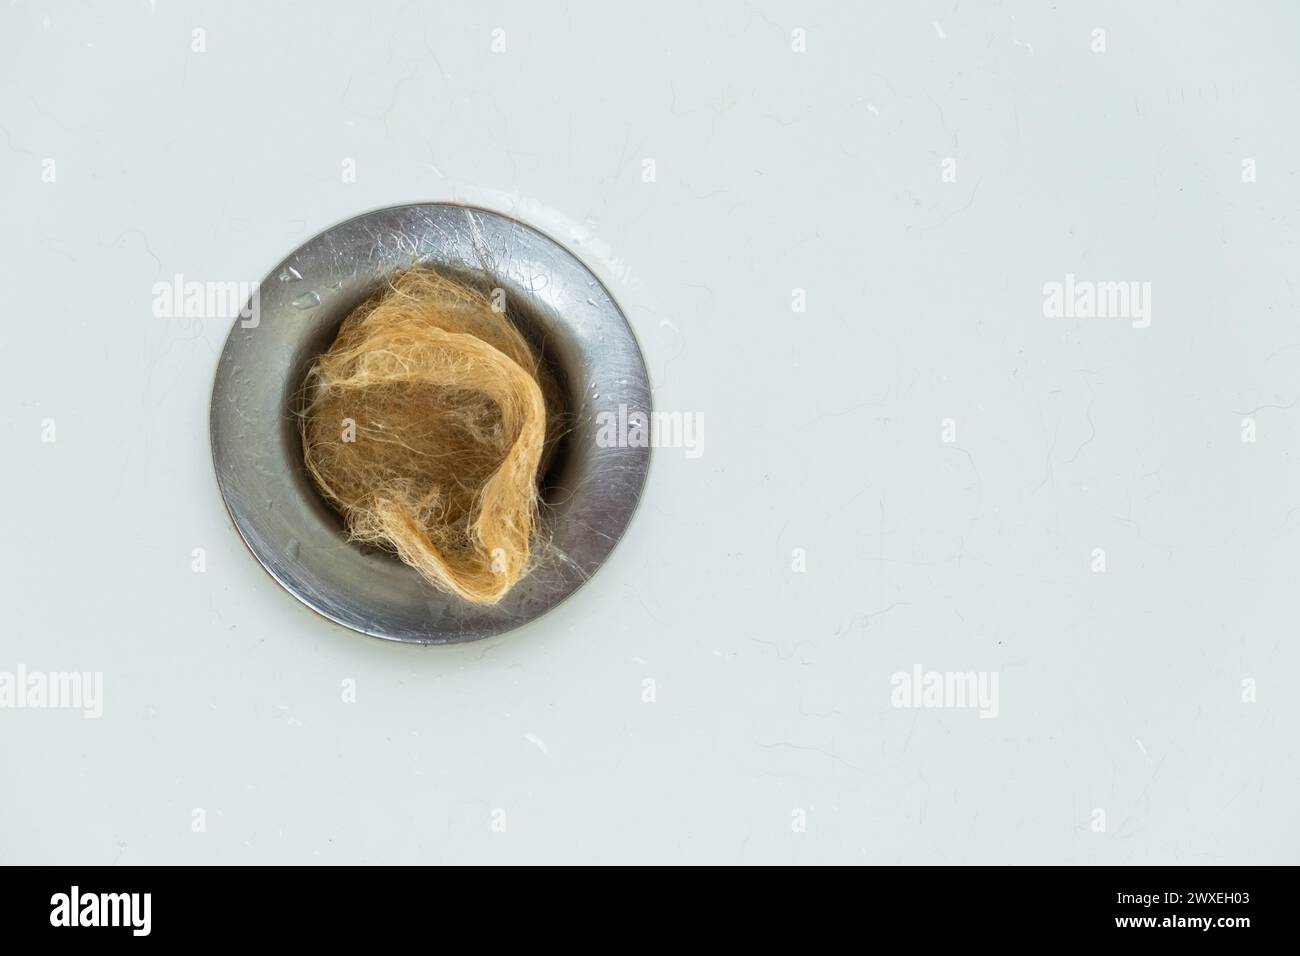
[300, 541]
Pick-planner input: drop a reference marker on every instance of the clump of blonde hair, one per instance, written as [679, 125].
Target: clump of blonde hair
[424, 426]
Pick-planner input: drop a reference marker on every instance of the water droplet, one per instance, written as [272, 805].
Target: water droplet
[308, 300]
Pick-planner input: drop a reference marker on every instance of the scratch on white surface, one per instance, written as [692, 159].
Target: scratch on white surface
[638, 660]
[938, 28]
[1143, 749]
[534, 739]
[871, 108]
[663, 371]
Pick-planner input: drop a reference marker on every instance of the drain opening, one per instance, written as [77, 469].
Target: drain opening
[558, 369]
